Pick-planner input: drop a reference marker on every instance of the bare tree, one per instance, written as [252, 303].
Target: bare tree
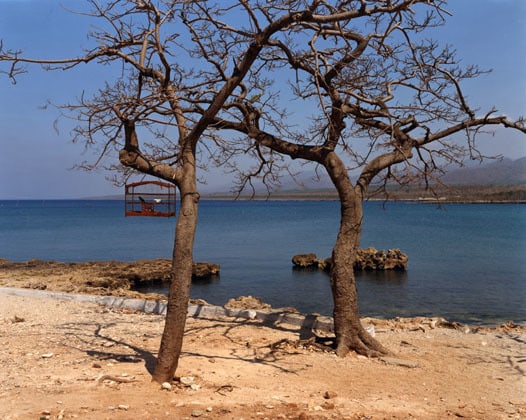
[157, 96]
[190, 69]
[385, 100]
[174, 65]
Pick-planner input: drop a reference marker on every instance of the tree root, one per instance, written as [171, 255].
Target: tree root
[362, 343]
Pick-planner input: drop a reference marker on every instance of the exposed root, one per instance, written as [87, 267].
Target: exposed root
[362, 343]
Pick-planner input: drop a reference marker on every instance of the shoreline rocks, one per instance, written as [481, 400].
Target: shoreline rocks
[100, 277]
[368, 259]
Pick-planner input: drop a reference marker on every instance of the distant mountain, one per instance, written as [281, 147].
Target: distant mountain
[488, 173]
[505, 172]
[501, 172]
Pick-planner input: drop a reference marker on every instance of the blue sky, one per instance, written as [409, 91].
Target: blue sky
[35, 160]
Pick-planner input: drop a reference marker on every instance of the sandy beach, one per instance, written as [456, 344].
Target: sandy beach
[70, 359]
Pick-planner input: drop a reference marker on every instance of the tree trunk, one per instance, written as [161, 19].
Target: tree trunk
[179, 293]
[350, 334]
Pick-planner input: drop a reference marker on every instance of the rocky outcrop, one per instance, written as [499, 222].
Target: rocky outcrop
[311, 261]
[115, 278]
[368, 259]
[204, 270]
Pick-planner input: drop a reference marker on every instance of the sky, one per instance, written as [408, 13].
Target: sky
[37, 156]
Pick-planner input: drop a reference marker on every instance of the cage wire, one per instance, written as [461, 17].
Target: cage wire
[150, 198]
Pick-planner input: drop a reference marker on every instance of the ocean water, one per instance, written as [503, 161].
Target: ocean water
[466, 261]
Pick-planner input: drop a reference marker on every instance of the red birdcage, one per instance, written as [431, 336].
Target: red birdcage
[150, 198]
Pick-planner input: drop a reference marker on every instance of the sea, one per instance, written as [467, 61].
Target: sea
[466, 261]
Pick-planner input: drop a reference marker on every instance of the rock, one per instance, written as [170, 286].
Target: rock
[370, 259]
[329, 395]
[197, 413]
[325, 264]
[47, 355]
[246, 302]
[123, 407]
[367, 259]
[204, 270]
[166, 386]
[328, 405]
[305, 260]
[371, 330]
[251, 314]
[186, 380]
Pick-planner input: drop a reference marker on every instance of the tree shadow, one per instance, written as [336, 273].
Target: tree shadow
[90, 335]
[96, 340]
[268, 354]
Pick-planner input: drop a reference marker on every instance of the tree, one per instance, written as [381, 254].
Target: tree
[156, 96]
[386, 97]
[174, 65]
[190, 70]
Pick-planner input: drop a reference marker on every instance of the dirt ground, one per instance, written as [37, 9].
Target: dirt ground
[67, 359]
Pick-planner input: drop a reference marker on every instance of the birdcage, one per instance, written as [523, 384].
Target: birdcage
[150, 198]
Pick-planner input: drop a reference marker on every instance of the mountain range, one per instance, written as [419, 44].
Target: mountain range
[489, 173]
[500, 172]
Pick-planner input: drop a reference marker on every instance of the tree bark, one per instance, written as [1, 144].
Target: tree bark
[350, 334]
[179, 292]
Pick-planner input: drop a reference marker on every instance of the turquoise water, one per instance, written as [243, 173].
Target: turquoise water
[466, 261]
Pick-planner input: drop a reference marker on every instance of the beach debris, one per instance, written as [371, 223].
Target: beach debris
[17, 319]
[120, 379]
[418, 327]
[223, 389]
[47, 355]
[393, 361]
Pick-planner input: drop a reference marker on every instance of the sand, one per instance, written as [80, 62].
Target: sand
[69, 359]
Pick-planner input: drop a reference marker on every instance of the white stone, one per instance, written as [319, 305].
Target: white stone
[186, 380]
[370, 329]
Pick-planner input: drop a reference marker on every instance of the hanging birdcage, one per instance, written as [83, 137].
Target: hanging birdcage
[150, 198]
